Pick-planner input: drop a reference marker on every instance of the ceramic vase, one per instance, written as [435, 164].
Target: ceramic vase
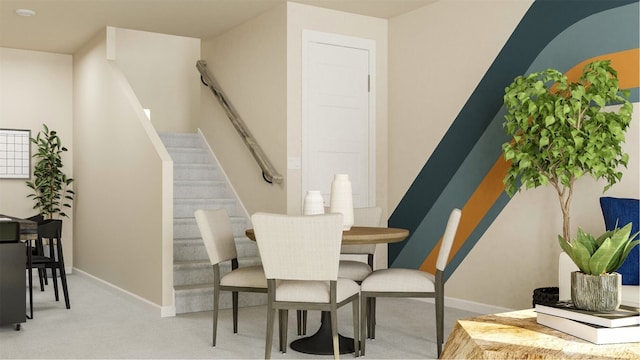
[342, 199]
[596, 292]
[313, 203]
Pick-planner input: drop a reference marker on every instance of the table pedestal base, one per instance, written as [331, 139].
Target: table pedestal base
[321, 343]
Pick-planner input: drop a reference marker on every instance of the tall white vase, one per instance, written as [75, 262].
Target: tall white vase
[342, 199]
[313, 203]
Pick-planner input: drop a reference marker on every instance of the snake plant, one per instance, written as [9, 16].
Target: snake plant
[602, 255]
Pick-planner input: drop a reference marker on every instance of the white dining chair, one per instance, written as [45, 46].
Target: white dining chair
[300, 255]
[411, 283]
[354, 269]
[217, 235]
[350, 268]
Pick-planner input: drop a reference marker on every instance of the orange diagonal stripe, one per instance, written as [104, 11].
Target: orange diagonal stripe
[473, 211]
[626, 63]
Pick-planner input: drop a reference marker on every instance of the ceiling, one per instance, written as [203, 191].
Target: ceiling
[62, 26]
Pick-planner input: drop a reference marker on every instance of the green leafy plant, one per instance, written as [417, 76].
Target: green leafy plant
[50, 184]
[602, 255]
[562, 131]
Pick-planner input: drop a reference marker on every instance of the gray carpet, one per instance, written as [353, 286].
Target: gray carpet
[104, 323]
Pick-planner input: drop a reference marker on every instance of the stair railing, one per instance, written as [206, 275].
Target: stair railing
[269, 174]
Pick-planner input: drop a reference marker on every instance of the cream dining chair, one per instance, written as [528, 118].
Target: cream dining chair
[411, 283]
[217, 234]
[351, 268]
[300, 255]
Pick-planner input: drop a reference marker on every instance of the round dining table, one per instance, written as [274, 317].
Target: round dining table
[321, 342]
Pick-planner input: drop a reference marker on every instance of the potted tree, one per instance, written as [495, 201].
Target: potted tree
[561, 131]
[50, 185]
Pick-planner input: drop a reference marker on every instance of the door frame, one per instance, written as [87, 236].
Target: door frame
[309, 36]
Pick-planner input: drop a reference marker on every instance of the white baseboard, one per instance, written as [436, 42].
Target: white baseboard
[165, 311]
[469, 305]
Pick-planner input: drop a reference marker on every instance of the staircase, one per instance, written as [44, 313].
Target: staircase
[199, 183]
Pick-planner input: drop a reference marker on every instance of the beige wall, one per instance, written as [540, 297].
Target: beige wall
[162, 71]
[36, 88]
[121, 199]
[258, 65]
[438, 54]
[431, 78]
[249, 63]
[302, 17]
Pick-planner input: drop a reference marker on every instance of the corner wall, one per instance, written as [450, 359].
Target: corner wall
[249, 63]
[162, 71]
[36, 88]
[119, 203]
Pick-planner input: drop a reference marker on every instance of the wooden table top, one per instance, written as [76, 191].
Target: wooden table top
[517, 335]
[361, 235]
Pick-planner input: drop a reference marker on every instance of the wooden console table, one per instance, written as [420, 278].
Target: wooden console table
[517, 335]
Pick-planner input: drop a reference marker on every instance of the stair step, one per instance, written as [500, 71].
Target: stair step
[185, 207]
[189, 155]
[196, 172]
[180, 139]
[198, 189]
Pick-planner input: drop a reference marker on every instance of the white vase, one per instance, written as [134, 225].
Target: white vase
[313, 203]
[342, 199]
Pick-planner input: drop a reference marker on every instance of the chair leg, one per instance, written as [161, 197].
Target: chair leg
[334, 333]
[42, 276]
[302, 322]
[54, 279]
[234, 297]
[284, 322]
[63, 275]
[65, 290]
[356, 327]
[364, 310]
[216, 303]
[271, 312]
[372, 317]
[439, 321]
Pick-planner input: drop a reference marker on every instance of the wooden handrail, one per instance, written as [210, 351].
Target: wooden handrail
[269, 173]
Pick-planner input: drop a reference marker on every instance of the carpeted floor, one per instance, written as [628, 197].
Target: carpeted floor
[104, 323]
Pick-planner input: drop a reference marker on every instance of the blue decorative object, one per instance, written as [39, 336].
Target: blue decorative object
[624, 211]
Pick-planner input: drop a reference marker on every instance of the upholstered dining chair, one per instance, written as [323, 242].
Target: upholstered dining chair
[351, 268]
[217, 235]
[412, 283]
[300, 255]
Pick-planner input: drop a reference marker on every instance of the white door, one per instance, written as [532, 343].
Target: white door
[338, 115]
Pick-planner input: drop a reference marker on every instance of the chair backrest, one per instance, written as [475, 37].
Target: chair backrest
[447, 239]
[367, 216]
[299, 247]
[217, 234]
[50, 229]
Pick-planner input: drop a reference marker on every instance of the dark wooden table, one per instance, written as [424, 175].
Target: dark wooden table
[12, 265]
